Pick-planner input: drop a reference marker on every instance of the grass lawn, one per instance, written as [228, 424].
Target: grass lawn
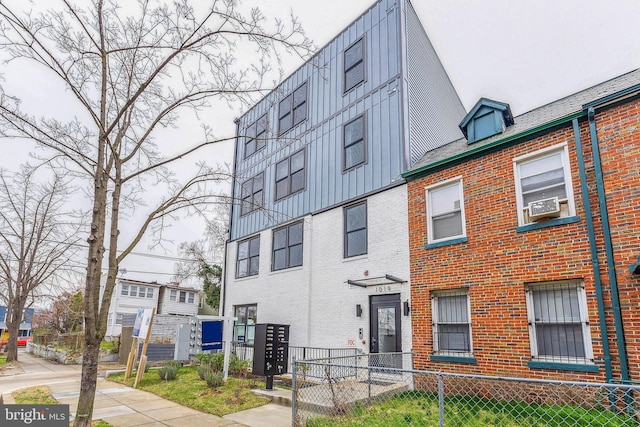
[189, 390]
[421, 409]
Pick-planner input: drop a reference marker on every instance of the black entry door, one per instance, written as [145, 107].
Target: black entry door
[386, 334]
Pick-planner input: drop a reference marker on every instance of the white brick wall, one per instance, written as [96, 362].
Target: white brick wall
[315, 298]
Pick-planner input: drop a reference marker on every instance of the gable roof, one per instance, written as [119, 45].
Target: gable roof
[504, 108]
[540, 119]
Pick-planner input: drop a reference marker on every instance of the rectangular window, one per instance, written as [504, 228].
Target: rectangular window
[244, 327]
[133, 291]
[354, 71]
[125, 290]
[252, 194]
[290, 175]
[354, 143]
[451, 315]
[190, 298]
[119, 317]
[355, 230]
[173, 295]
[292, 109]
[149, 292]
[445, 211]
[287, 246]
[558, 323]
[183, 296]
[542, 176]
[248, 257]
[255, 138]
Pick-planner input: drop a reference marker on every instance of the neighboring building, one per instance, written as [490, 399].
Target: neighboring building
[319, 236]
[506, 226]
[25, 327]
[130, 295]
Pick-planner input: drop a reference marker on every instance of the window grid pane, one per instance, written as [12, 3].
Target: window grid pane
[248, 257]
[287, 247]
[445, 212]
[290, 175]
[452, 327]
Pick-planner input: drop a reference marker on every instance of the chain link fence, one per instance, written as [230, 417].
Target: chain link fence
[375, 390]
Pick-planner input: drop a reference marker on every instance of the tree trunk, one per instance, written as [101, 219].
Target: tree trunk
[14, 318]
[88, 384]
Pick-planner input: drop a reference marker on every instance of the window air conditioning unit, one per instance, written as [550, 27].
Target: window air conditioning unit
[545, 208]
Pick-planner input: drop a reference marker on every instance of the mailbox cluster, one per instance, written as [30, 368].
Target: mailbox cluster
[195, 336]
[271, 349]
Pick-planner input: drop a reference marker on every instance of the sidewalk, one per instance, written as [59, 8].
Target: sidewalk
[124, 406]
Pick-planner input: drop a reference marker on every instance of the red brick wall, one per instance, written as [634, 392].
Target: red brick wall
[497, 262]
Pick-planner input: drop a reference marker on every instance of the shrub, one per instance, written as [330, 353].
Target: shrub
[238, 366]
[168, 373]
[173, 363]
[214, 379]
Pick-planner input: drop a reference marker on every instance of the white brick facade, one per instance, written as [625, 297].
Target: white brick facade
[315, 299]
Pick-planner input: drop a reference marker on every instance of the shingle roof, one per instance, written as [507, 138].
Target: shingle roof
[554, 111]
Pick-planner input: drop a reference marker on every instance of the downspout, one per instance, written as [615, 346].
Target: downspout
[613, 281]
[594, 253]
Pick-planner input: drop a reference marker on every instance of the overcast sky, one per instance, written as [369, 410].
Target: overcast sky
[525, 53]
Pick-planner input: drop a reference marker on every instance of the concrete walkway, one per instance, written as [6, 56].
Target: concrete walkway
[124, 406]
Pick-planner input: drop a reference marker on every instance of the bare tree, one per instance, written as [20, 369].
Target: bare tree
[132, 72]
[37, 242]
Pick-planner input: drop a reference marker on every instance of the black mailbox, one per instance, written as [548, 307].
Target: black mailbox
[270, 349]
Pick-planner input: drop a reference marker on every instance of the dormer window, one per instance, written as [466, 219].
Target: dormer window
[487, 118]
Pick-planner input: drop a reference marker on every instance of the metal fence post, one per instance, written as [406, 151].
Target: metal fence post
[441, 399]
[294, 391]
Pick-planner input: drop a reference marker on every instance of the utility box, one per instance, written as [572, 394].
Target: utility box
[271, 349]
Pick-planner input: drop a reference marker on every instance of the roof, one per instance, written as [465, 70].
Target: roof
[549, 115]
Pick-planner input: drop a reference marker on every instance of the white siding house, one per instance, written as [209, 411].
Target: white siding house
[180, 301]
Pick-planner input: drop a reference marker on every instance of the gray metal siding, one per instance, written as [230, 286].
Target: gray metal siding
[328, 108]
[434, 106]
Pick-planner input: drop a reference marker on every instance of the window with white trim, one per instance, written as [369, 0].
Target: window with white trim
[183, 296]
[445, 211]
[543, 185]
[191, 298]
[451, 316]
[173, 295]
[559, 323]
[125, 290]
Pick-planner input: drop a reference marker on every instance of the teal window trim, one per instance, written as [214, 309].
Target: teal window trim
[446, 243]
[453, 359]
[535, 364]
[550, 223]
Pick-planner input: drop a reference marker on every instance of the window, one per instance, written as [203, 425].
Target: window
[255, 139]
[183, 296]
[445, 211]
[290, 175]
[190, 298]
[173, 295]
[149, 292]
[133, 291]
[540, 176]
[287, 246]
[248, 257]
[244, 327]
[293, 109]
[252, 194]
[125, 290]
[355, 230]
[354, 143]
[558, 323]
[119, 317]
[354, 65]
[451, 315]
